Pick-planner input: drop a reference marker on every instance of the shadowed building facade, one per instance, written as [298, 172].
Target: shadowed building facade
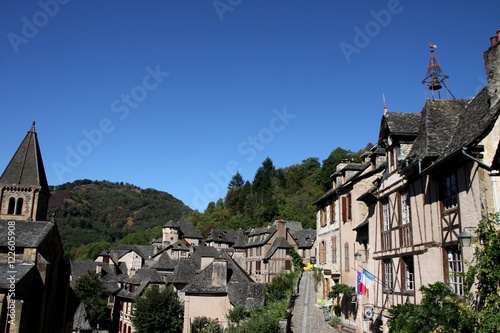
[34, 277]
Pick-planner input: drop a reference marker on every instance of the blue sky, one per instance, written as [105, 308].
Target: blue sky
[178, 95]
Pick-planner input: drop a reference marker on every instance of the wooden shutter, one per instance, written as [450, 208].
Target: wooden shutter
[344, 209]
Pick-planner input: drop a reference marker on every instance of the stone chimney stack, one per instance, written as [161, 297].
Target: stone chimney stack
[492, 66]
[281, 228]
[219, 273]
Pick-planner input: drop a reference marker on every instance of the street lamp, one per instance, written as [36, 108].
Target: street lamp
[357, 256]
[465, 238]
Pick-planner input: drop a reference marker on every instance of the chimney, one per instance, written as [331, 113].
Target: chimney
[205, 261]
[98, 269]
[219, 273]
[281, 228]
[492, 67]
[494, 40]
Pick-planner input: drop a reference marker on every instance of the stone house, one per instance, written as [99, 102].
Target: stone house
[339, 215]
[267, 249]
[218, 286]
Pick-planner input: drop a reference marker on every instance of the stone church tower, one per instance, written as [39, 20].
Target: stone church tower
[24, 191]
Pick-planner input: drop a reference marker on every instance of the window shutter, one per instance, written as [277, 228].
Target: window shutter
[344, 209]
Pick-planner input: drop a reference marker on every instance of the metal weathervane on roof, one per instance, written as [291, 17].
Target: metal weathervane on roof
[435, 78]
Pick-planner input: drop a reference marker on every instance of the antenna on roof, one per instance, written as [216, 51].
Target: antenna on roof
[435, 78]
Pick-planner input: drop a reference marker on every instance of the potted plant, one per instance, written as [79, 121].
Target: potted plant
[336, 322]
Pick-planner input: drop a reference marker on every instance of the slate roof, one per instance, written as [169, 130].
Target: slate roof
[189, 230]
[241, 240]
[141, 279]
[184, 271]
[249, 294]
[178, 246]
[204, 251]
[145, 251]
[26, 166]
[20, 269]
[171, 224]
[28, 234]
[201, 282]
[304, 238]
[164, 262]
[263, 235]
[109, 280]
[279, 243]
[80, 319]
[293, 225]
[223, 236]
[240, 288]
[449, 125]
[475, 122]
[400, 123]
[438, 122]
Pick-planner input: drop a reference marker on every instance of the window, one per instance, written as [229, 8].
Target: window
[12, 205]
[455, 270]
[385, 216]
[450, 192]
[388, 278]
[332, 212]
[288, 265]
[322, 252]
[408, 274]
[257, 266]
[19, 206]
[346, 208]
[322, 216]
[334, 249]
[405, 207]
[346, 250]
[349, 207]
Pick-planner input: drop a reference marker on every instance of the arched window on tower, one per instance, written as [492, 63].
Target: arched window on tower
[19, 206]
[12, 205]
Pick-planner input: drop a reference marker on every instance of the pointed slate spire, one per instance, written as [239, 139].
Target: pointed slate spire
[26, 166]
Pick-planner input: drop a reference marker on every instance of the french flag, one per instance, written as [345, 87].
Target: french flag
[365, 280]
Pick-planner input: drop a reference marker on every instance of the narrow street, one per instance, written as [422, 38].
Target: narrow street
[307, 316]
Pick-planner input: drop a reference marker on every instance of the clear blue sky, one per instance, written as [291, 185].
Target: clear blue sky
[178, 95]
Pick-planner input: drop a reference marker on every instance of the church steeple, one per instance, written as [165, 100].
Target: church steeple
[24, 191]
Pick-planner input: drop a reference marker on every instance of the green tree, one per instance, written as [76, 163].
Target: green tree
[486, 274]
[281, 287]
[236, 315]
[236, 181]
[90, 292]
[158, 311]
[330, 165]
[441, 310]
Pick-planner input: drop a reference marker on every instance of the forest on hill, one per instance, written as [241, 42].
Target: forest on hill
[274, 193]
[97, 215]
[93, 215]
